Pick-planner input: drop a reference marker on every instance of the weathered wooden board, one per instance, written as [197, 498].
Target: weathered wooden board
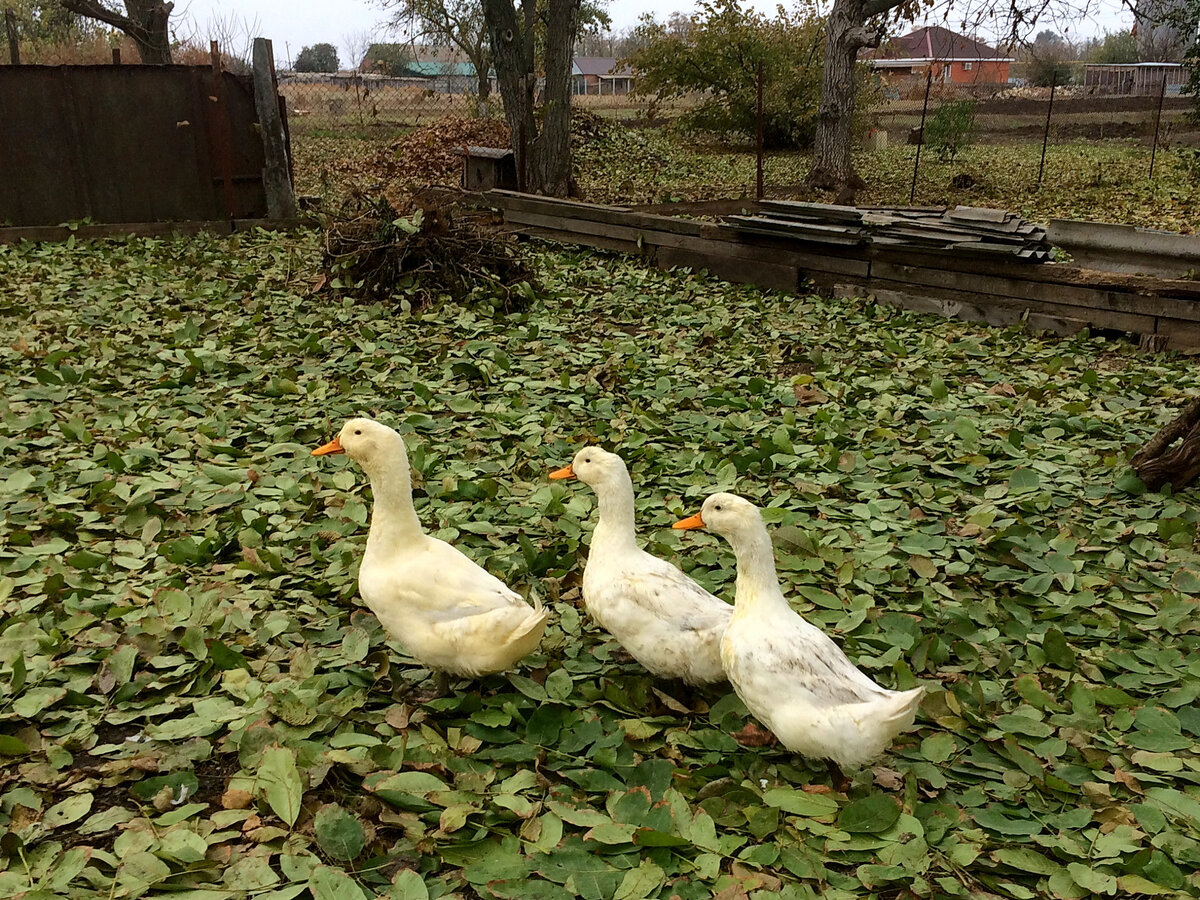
[998, 310]
[703, 245]
[1071, 295]
[772, 276]
[1056, 297]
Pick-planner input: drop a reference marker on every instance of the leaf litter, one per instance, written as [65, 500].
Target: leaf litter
[195, 702]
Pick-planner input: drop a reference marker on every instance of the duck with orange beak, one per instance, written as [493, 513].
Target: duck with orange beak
[666, 621]
[448, 613]
[789, 673]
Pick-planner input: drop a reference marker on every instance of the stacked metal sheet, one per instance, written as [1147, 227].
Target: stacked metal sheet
[965, 230]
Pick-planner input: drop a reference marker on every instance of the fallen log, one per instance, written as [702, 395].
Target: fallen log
[1162, 461]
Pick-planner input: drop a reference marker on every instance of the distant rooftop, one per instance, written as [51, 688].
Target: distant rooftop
[601, 66]
[936, 43]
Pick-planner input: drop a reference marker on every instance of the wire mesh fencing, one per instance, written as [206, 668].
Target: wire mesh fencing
[1062, 144]
[1062, 150]
[354, 130]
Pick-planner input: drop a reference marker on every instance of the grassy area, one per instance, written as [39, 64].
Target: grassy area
[195, 703]
[1106, 182]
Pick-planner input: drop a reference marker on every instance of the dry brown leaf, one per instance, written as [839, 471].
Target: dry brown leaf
[808, 396]
[753, 736]
[670, 702]
[888, 779]
[1127, 779]
[236, 799]
[397, 717]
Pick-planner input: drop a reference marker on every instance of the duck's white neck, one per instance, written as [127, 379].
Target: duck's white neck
[757, 581]
[394, 522]
[616, 528]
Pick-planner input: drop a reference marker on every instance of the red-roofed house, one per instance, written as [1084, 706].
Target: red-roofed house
[953, 58]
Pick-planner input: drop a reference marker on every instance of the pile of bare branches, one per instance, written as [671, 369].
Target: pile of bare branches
[413, 256]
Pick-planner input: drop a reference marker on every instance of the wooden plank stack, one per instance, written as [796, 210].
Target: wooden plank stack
[963, 230]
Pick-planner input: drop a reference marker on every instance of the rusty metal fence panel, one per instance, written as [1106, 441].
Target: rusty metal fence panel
[127, 144]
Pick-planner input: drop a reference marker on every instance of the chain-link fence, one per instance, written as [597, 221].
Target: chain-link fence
[932, 143]
[349, 129]
[1025, 140]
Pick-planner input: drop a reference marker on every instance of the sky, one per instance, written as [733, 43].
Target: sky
[292, 24]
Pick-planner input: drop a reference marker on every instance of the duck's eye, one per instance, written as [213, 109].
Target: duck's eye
[717, 507]
[358, 431]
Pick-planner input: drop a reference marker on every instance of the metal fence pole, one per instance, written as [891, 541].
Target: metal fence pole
[1046, 134]
[14, 44]
[116, 56]
[758, 122]
[1162, 93]
[912, 193]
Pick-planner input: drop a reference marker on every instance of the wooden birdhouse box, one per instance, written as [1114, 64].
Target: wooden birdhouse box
[485, 168]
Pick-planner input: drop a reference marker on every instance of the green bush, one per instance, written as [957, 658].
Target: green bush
[951, 129]
[718, 57]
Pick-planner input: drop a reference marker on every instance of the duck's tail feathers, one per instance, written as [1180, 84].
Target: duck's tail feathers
[902, 709]
[878, 726]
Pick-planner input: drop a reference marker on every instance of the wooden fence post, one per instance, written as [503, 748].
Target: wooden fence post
[14, 43]
[281, 202]
[758, 134]
[1046, 133]
[912, 192]
[1162, 93]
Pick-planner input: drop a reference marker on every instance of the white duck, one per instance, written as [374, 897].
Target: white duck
[449, 613]
[789, 673]
[666, 621]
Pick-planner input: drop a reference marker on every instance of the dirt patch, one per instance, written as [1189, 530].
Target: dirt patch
[1077, 105]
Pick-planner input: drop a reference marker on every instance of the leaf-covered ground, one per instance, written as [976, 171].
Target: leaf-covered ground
[193, 701]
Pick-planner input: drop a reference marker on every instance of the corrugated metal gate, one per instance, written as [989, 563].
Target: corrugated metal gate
[127, 144]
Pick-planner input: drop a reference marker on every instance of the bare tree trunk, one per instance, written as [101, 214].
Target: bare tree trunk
[845, 34]
[552, 151]
[146, 22]
[543, 154]
[483, 84]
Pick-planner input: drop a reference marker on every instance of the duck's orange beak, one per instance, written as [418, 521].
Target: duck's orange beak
[689, 523]
[565, 472]
[334, 446]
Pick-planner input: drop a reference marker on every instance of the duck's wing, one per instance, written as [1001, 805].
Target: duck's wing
[664, 590]
[441, 582]
[806, 661]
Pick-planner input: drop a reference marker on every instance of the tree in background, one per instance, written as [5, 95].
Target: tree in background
[1164, 29]
[387, 59]
[1049, 60]
[537, 39]
[45, 21]
[852, 25]
[1184, 18]
[145, 21]
[317, 58]
[453, 23]
[1114, 47]
[718, 56]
